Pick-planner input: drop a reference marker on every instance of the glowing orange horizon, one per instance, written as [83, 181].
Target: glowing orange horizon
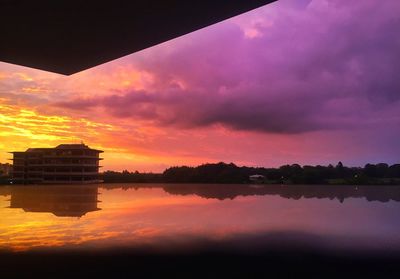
[241, 91]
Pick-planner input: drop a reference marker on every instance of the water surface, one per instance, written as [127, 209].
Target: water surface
[185, 216]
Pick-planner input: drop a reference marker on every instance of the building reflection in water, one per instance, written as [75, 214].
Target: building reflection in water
[62, 201]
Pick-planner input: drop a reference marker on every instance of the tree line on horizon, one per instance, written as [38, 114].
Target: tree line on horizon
[288, 174]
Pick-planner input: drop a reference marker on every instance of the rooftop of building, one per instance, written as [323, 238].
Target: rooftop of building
[73, 146]
[68, 36]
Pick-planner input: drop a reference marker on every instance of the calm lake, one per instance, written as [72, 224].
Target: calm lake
[161, 217]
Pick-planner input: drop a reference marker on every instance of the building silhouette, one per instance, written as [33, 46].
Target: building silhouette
[62, 201]
[64, 164]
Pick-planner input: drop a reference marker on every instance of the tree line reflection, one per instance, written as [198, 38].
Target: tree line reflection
[76, 201]
[295, 192]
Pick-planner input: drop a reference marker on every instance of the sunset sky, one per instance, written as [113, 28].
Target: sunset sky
[296, 81]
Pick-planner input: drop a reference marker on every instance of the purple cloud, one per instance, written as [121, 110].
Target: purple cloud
[314, 65]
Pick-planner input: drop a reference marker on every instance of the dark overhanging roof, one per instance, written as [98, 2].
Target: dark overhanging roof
[68, 36]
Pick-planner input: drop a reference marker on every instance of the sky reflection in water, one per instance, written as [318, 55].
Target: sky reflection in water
[173, 216]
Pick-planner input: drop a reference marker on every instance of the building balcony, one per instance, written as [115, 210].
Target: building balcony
[65, 165]
[72, 182]
[31, 178]
[70, 173]
[73, 156]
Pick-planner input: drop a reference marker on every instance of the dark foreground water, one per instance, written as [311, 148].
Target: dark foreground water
[193, 230]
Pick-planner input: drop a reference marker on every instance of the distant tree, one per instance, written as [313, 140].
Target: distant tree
[394, 171]
[296, 174]
[370, 170]
[382, 170]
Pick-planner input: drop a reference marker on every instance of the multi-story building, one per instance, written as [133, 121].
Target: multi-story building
[64, 164]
